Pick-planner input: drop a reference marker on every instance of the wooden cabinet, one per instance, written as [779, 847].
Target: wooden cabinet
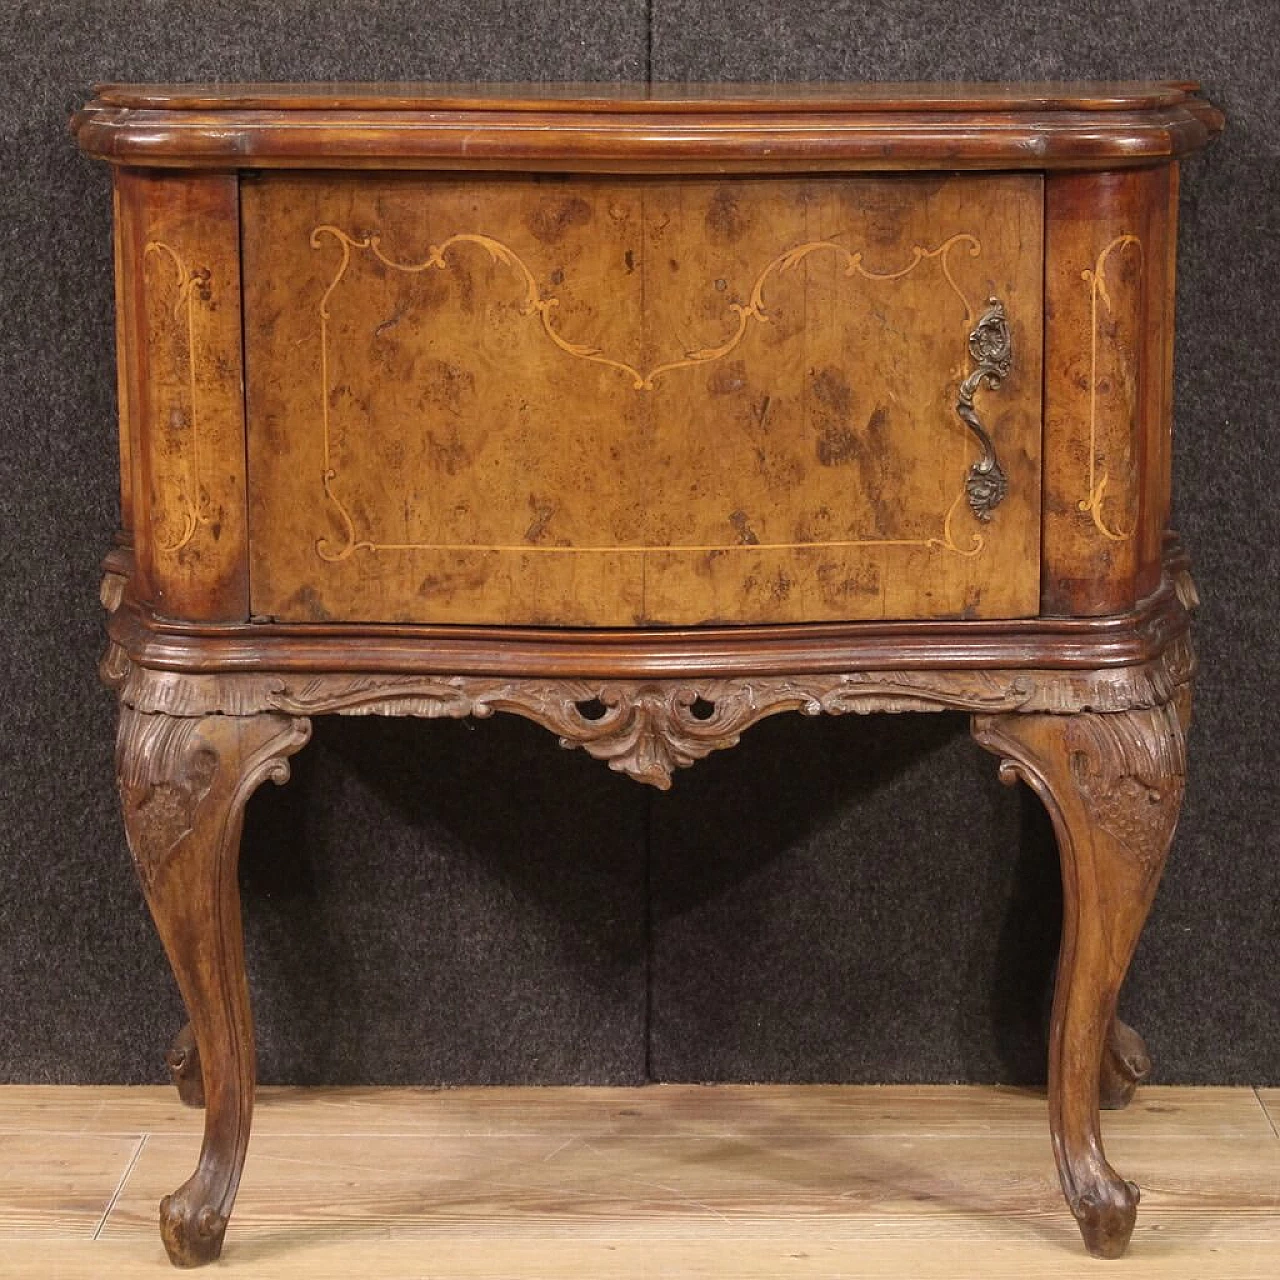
[646, 413]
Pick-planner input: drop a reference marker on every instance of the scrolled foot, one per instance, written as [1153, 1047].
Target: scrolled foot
[1113, 786]
[191, 1228]
[1125, 1065]
[184, 783]
[183, 1060]
[1106, 1214]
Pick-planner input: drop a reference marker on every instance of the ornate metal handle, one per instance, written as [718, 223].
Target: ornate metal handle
[991, 351]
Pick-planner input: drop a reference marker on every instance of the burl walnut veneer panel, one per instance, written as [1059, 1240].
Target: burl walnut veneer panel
[622, 402]
[182, 392]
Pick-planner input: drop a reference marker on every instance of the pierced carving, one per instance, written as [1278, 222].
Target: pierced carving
[991, 350]
[648, 728]
[643, 730]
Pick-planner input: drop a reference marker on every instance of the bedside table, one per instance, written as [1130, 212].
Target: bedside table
[646, 413]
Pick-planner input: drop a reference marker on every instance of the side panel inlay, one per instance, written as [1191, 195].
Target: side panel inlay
[1107, 369]
[1103, 377]
[184, 399]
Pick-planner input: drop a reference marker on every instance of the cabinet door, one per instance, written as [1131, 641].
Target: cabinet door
[601, 401]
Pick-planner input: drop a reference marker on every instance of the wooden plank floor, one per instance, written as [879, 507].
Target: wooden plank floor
[735, 1183]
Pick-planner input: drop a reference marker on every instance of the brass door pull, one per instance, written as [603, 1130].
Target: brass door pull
[992, 352]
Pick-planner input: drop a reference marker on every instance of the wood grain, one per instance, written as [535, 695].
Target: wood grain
[1105, 291]
[1270, 1100]
[716, 1188]
[606, 404]
[1118, 648]
[1113, 787]
[58, 1189]
[1157, 376]
[123, 244]
[183, 785]
[181, 392]
[854, 96]
[649, 128]
[795, 1251]
[669, 1110]
[682, 1181]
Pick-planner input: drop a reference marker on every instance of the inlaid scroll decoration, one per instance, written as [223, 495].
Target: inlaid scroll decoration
[191, 285]
[982, 341]
[1100, 297]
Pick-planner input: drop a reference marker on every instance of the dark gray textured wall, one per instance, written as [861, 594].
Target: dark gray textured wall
[846, 899]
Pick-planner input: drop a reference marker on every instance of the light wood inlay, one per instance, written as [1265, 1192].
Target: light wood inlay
[628, 403]
[182, 393]
[1101, 311]
[1107, 372]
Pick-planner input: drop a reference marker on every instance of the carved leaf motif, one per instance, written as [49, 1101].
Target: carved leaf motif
[649, 728]
[428, 696]
[167, 766]
[1131, 775]
[113, 668]
[1128, 768]
[164, 774]
[645, 728]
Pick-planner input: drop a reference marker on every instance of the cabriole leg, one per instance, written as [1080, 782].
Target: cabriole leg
[184, 783]
[1113, 785]
[1125, 1065]
[183, 1060]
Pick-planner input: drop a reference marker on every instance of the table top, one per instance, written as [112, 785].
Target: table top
[661, 97]
[666, 128]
